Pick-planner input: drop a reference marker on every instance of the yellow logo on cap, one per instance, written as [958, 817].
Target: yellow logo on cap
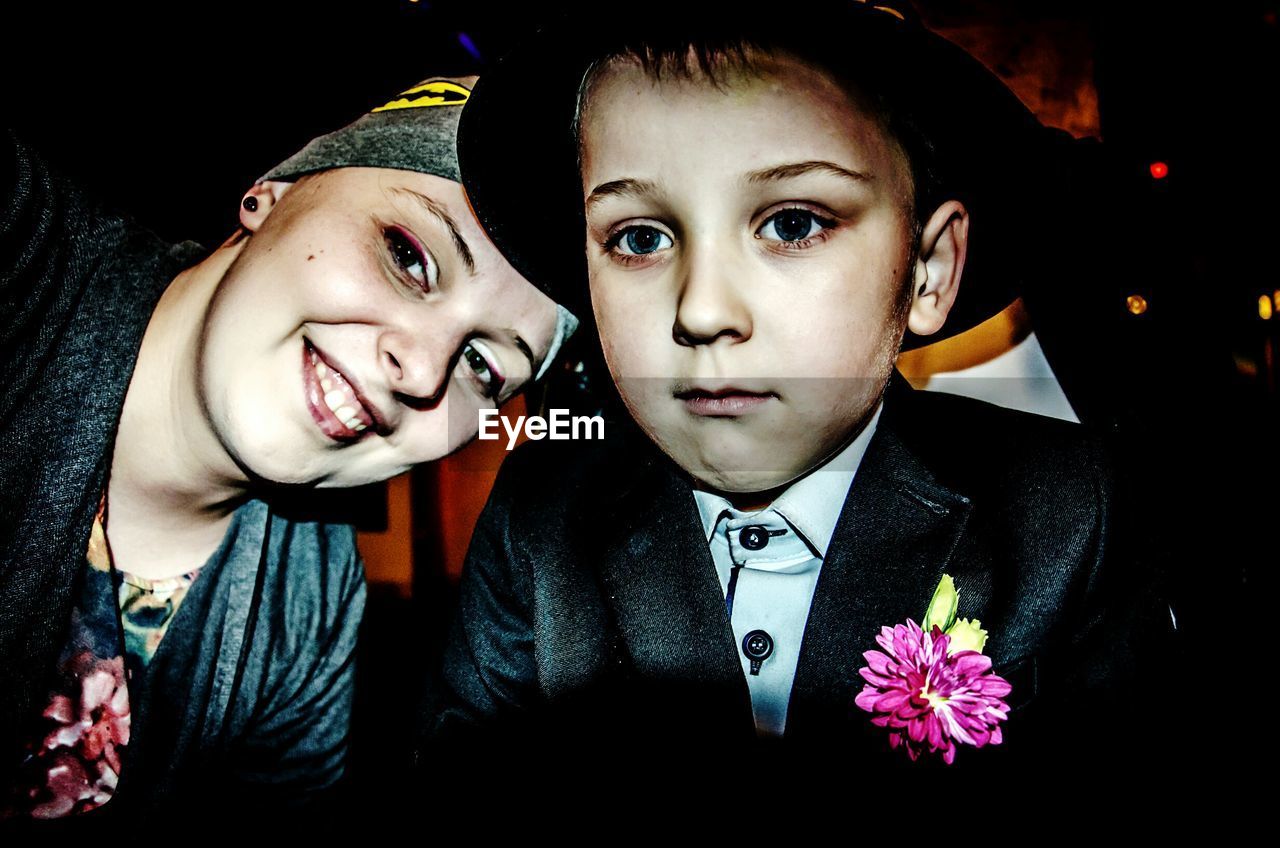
[430, 93]
[893, 12]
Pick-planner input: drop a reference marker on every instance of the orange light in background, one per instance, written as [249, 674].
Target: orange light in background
[1137, 304]
[1264, 308]
[1159, 170]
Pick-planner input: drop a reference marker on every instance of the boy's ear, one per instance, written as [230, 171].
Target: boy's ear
[258, 202]
[944, 241]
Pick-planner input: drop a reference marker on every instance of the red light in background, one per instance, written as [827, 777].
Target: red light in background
[1159, 170]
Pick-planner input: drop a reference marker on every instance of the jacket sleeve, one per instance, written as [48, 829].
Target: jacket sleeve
[488, 678]
[1111, 701]
[51, 237]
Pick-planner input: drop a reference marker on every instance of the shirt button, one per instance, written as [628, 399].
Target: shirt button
[758, 646]
[753, 538]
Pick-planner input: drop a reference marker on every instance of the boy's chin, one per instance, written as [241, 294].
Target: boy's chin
[739, 467]
[745, 483]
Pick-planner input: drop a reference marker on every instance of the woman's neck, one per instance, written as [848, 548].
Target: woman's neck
[173, 486]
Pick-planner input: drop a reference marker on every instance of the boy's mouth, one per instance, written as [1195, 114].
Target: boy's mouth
[337, 405]
[721, 401]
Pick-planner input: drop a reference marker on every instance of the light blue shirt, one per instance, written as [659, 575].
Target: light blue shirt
[775, 582]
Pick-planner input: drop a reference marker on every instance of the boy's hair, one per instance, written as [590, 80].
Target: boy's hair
[709, 53]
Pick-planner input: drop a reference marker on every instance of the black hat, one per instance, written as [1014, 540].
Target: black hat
[981, 145]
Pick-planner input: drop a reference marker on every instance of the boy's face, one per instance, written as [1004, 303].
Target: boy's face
[748, 249]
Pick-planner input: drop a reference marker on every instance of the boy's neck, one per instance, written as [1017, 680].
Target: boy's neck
[753, 501]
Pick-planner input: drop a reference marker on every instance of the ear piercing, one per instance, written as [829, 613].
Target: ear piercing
[250, 204]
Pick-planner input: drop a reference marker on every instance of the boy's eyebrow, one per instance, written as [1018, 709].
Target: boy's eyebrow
[799, 169]
[439, 212]
[619, 188]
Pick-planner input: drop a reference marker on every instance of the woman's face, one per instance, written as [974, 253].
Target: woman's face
[361, 329]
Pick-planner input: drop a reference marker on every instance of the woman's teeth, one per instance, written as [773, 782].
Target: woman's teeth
[338, 400]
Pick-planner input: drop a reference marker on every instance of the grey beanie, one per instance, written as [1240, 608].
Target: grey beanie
[417, 130]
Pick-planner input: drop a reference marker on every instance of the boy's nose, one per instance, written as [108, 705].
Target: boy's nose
[417, 365]
[711, 303]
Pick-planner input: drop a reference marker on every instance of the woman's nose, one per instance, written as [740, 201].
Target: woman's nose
[417, 365]
[712, 303]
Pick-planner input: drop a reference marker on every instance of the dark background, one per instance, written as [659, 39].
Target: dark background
[171, 111]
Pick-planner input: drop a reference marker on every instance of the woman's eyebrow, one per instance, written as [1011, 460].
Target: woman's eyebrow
[526, 350]
[799, 169]
[439, 212]
[620, 188]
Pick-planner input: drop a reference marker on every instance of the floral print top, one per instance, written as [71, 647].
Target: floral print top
[117, 622]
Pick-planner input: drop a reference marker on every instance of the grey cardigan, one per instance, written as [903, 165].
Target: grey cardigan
[250, 693]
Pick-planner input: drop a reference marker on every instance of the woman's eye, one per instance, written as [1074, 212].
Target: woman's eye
[793, 225]
[410, 258]
[480, 360]
[640, 241]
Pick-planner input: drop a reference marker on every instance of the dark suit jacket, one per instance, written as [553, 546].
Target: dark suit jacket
[592, 626]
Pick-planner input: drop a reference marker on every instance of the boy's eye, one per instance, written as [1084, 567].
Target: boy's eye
[793, 225]
[480, 360]
[639, 241]
[411, 258]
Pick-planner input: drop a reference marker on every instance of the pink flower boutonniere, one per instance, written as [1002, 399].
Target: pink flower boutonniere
[932, 686]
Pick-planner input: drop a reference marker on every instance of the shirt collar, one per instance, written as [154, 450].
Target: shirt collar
[812, 504]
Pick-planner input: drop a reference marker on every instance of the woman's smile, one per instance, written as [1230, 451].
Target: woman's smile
[337, 406]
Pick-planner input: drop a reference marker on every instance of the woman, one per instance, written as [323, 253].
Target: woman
[171, 628]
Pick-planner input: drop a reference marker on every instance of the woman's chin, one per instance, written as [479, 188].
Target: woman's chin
[277, 464]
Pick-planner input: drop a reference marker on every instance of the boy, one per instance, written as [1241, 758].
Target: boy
[769, 218]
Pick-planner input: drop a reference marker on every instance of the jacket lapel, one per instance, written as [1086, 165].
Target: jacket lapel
[674, 635]
[897, 534]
